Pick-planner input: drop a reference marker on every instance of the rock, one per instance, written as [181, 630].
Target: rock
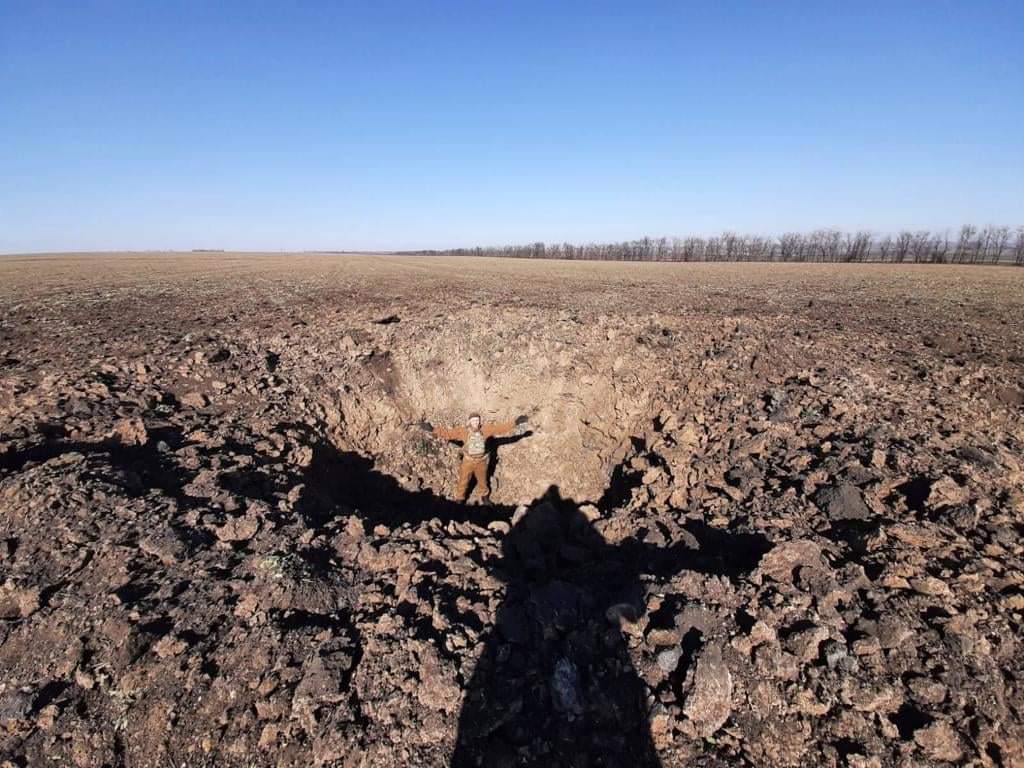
[946, 492]
[842, 501]
[168, 646]
[164, 545]
[84, 679]
[778, 743]
[781, 562]
[709, 702]
[806, 702]
[238, 529]
[974, 455]
[963, 516]
[131, 431]
[1011, 396]
[18, 602]
[668, 659]
[836, 655]
[926, 691]
[866, 646]
[269, 736]
[870, 697]
[860, 475]
[47, 717]
[931, 586]
[893, 633]
[320, 685]
[939, 741]
[302, 456]
[622, 615]
[15, 705]
[804, 642]
[195, 400]
[437, 688]
[660, 722]
[519, 514]
[565, 688]
[663, 637]
[915, 535]
[964, 632]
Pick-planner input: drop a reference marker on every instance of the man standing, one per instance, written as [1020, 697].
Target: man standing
[476, 455]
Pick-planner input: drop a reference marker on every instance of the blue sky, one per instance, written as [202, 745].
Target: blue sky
[429, 124]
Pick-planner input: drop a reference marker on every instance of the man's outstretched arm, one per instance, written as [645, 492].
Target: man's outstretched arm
[499, 428]
[450, 433]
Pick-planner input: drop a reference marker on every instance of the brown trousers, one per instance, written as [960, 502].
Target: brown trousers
[473, 466]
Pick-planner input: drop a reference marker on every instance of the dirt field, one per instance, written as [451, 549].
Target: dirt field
[759, 515]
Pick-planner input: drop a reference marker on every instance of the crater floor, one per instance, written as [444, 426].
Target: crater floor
[760, 514]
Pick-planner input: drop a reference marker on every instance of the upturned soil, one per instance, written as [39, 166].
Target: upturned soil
[758, 514]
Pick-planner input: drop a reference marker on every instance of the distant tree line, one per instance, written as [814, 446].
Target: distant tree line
[971, 245]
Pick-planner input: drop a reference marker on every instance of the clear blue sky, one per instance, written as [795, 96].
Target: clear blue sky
[129, 124]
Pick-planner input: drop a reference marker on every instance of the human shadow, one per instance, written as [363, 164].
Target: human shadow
[554, 683]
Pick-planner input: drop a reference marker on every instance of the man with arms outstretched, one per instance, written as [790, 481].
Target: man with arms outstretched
[476, 455]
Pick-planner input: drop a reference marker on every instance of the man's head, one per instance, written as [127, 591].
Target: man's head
[474, 421]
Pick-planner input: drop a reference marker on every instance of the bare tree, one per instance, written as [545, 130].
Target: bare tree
[759, 249]
[885, 248]
[963, 244]
[691, 248]
[730, 245]
[789, 246]
[939, 248]
[712, 249]
[920, 246]
[815, 245]
[856, 246]
[825, 245]
[901, 247]
[978, 247]
[999, 238]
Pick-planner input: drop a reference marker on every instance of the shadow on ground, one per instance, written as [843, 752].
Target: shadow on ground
[554, 683]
